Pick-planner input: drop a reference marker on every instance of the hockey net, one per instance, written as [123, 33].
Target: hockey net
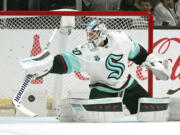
[27, 33]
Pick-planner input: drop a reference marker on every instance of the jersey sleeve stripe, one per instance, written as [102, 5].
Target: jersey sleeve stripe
[135, 50]
[59, 65]
[140, 57]
[72, 62]
[64, 64]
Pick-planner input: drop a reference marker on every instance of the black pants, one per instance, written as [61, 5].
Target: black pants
[131, 96]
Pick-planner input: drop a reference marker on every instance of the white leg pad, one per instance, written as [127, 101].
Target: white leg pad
[64, 111]
[153, 109]
[97, 110]
[174, 109]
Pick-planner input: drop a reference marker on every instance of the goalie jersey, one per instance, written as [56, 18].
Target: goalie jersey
[107, 66]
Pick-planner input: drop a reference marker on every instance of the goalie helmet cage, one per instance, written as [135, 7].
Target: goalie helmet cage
[21, 25]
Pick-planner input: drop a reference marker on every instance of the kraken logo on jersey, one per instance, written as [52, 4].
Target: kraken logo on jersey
[113, 64]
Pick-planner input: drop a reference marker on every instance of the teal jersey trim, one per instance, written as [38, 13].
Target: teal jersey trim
[108, 90]
[72, 62]
[135, 51]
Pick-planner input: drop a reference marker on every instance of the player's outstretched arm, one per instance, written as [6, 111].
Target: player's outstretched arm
[43, 64]
[160, 67]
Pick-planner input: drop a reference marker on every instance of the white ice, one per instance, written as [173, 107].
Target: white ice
[51, 126]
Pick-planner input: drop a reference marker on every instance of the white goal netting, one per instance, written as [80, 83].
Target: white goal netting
[23, 36]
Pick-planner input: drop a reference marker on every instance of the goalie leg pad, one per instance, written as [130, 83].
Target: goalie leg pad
[174, 109]
[64, 111]
[153, 109]
[97, 110]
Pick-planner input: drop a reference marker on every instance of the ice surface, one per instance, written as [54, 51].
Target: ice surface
[51, 126]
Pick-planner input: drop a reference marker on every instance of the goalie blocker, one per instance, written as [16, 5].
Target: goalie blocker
[39, 65]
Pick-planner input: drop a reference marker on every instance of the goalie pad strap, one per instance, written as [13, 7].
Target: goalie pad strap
[141, 57]
[59, 65]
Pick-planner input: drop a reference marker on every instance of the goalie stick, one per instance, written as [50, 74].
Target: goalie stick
[18, 96]
[171, 92]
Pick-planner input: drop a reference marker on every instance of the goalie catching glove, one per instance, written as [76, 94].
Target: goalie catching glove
[39, 65]
[159, 67]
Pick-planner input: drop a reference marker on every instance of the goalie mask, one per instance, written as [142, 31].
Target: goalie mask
[96, 33]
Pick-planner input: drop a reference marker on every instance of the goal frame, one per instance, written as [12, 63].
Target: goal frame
[97, 13]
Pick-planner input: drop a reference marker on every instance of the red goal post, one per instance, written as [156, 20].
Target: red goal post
[35, 24]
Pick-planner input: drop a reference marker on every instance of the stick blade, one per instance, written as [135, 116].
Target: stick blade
[24, 110]
[171, 92]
